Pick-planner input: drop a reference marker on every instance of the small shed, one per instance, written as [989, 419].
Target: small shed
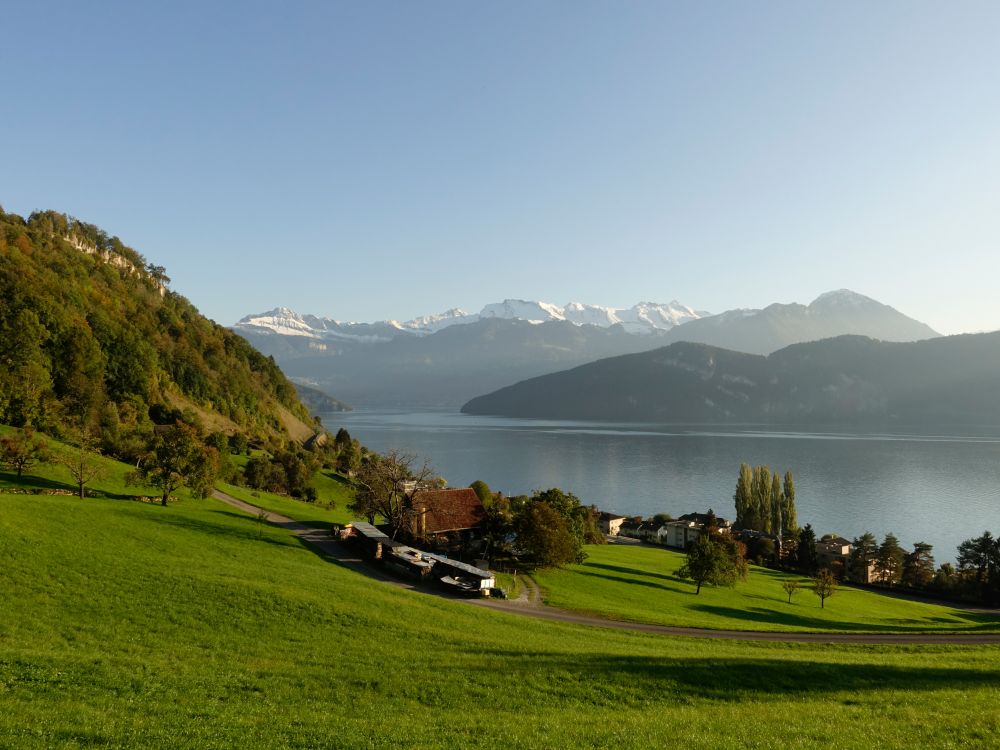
[462, 574]
[373, 541]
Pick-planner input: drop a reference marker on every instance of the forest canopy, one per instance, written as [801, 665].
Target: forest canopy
[90, 335]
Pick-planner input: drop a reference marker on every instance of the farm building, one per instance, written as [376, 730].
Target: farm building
[446, 511]
[460, 575]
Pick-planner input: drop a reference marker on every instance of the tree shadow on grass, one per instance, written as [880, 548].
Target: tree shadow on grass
[630, 571]
[638, 582]
[733, 679]
[10, 480]
[801, 620]
[218, 529]
[325, 547]
[44, 486]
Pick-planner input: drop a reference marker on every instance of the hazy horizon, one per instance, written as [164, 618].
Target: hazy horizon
[369, 162]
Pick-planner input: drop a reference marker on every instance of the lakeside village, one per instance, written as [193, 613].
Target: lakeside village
[456, 538]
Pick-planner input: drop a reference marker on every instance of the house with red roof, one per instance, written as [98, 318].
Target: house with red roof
[437, 511]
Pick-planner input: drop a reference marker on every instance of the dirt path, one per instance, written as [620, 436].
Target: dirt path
[530, 604]
[528, 595]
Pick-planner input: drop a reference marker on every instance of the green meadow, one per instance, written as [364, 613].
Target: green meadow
[334, 495]
[126, 624]
[320, 513]
[640, 584]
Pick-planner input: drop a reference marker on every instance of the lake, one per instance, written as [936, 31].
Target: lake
[941, 489]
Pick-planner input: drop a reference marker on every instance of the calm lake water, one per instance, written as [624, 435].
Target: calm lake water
[940, 489]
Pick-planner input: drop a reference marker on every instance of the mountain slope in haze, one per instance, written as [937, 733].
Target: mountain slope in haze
[445, 360]
[453, 365]
[849, 379]
[89, 331]
[776, 326]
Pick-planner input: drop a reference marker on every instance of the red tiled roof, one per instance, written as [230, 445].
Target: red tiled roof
[447, 510]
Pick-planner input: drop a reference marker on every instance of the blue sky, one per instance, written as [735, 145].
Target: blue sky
[375, 159]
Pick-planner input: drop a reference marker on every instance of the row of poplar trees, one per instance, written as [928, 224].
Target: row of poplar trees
[764, 503]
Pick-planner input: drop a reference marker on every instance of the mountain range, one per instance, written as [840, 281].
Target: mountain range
[843, 380]
[444, 360]
[642, 318]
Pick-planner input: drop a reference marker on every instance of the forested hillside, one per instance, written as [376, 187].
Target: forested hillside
[849, 379]
[90, 336]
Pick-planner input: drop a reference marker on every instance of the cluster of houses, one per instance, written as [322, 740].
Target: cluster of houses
[455, 515]
[678, 533]
[832, 552]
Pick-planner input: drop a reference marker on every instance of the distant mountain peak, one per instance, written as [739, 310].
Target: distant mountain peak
[642, 318]
[843, 297]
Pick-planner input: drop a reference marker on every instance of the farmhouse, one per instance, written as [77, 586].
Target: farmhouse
[445, 511]
[410, 562]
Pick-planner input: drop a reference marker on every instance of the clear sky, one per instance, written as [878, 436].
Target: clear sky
[373, 160]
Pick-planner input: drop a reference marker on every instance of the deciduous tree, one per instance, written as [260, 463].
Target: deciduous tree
[824, 586]
[23, 450]
[84, 465]
[791, 586]
[483, 492]
[176, 458]
[716, 559]
[544, 536]
[381, 488]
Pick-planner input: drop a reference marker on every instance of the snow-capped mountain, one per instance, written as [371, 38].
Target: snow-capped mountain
[640, 319]
[287, 322]
[446, 359]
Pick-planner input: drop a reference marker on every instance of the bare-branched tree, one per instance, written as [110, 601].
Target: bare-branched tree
[384, 487]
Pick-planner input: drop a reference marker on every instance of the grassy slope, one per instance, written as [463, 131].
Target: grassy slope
[334, 495]
[312, 513]
[640, 584]
[127, 624]
[52, 476]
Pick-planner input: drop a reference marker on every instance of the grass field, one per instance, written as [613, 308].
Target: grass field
[126, 624]
[53, 477]
[317, 513]
[640, 584]
[334, 496]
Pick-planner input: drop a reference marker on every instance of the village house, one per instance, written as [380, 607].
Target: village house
[679, 533]
[630, 528]
[610, 523]
[687, 528]
[833, 552]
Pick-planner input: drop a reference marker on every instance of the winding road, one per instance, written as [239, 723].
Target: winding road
[529, 604]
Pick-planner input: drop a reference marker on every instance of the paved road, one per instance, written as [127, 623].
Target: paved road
[530, 605]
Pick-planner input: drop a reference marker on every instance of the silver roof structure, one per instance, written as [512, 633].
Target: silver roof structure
[464, 567]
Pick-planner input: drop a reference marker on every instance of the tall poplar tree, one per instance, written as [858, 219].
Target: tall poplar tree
[761, 494]
[743, 496]
[776, 507]
[790, 518]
